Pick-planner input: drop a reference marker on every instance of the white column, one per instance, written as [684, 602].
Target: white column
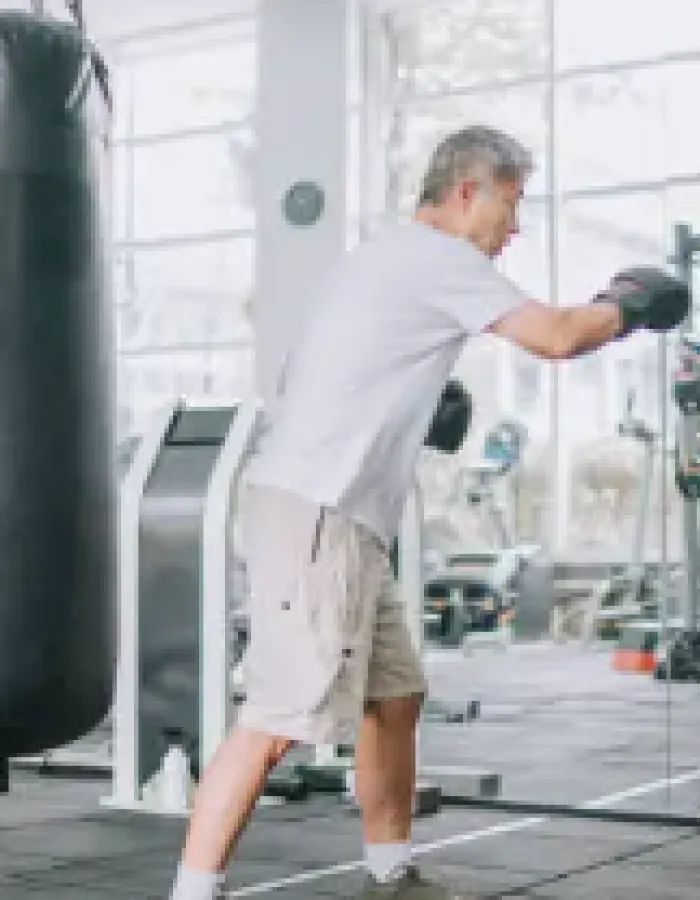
[301, 137]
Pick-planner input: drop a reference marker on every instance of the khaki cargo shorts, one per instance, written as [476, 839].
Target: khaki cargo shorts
[327, 629]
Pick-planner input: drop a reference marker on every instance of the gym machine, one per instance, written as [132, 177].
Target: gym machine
[681, 660]
[669, 643]
[172, 706]
[631, 593]
[475, 593]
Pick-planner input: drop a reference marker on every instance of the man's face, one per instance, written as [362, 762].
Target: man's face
[487, 212]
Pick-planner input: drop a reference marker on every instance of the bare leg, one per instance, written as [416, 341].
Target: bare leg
[228, 792]
[385, 759]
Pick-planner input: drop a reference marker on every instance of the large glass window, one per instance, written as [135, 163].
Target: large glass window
[526, 259]
[604, 95]
[149, 381]
[194, 87]
[192, 185]
[184, 326]
[121, 193]
[422, 124]
[596, 238]
[678, 122]
[446, 46]
[610, 128]
[185, 294]
[599, 31]
[526, 386]
[183, 214]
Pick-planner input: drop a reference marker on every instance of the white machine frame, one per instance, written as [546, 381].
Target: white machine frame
[126, 793]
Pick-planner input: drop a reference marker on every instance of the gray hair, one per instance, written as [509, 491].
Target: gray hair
[478, 146]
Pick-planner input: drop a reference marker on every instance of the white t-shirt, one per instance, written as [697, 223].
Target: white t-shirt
[360, 388]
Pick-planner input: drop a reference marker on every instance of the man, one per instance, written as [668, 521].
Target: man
[330, 658]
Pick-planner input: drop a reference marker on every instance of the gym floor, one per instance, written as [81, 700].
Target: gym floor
[558, 724]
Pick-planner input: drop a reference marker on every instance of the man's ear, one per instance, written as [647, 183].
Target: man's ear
[467, 189]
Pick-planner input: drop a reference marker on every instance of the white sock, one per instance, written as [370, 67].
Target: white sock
[192, 885]
[386, 862]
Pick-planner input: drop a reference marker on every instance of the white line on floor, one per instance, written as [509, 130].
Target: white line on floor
[610, 800]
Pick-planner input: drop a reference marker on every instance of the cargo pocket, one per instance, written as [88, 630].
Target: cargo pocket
[282, 670]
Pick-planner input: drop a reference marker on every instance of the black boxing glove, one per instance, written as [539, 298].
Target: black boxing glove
[452, 419]
[647, 298]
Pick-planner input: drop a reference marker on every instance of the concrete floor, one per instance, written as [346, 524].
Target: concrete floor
[558, 723]
[562, 726]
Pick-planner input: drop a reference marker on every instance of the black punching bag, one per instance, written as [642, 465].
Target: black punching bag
[57, 483]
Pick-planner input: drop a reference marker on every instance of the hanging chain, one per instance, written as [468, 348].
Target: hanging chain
[99, 66]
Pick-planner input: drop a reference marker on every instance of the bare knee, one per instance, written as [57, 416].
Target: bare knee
[259, 744]
[396, 712]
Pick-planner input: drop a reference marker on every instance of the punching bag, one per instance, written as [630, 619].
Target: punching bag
[58, 562]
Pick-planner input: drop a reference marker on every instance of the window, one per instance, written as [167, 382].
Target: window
[448, 46]
[528, 384]
[598, 31]
[609, 129]
[526, 259]
[195, 87]
[193, 185]
[682, 205]
[120, 81]
[161, 22]
[121, 193]
[147, 383]
[526, 262]
[185, 296]
[519, 111]
[598, 236]
[681, 136]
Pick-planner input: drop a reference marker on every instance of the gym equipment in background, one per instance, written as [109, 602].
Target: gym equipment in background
[679, 656]
[668, 643]
[172, 700]
[469, 596]
[58, 510]
[631, 593]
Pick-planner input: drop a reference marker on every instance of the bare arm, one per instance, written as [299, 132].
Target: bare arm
[559, 333]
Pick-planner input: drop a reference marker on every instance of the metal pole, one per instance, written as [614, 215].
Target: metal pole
[559, 502]
[37, 7]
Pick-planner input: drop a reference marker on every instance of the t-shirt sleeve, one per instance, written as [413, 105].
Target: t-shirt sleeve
[474, 293]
